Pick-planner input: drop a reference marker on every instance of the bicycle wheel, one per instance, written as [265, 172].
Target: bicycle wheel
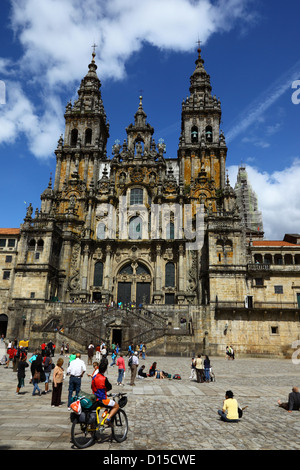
[80, 434]
[120, 426]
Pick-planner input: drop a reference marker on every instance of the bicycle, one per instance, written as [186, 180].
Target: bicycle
[89, 426]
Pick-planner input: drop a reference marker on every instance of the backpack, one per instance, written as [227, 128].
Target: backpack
[130, 362]
[176, 377]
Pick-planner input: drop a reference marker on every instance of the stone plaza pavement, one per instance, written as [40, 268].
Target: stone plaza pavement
[168, 415]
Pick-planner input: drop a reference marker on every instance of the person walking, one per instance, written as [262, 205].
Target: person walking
[121, 369]
[21, 373]
[58, 378]
[47, 363]
[36, 371]
[133, 367]
[75, 370]
[90, 353]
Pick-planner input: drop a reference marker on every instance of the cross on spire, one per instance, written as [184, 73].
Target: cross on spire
[94, 51]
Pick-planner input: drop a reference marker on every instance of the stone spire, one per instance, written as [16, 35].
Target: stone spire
[247, 202]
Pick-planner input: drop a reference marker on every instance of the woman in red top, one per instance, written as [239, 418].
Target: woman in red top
[100, 387]
[121, 365]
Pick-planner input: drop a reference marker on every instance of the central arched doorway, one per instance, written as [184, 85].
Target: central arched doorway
[134, 284]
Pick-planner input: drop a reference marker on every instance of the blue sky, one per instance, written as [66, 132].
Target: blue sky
[251, 51]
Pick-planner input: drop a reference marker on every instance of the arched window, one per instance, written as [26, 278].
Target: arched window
[141, 269]
[170, 275]
[127, 269]
[74, 137]
[135, 228]
[88, 137]
[40, 245]
[170, 231]
[136, 196]
[98, 274]
[194, 134]
[101, 231]
[208, 134]
[31, 246]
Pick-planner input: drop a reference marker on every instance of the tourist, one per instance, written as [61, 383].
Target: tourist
[11, 354]
[100, 387]
[121, 369]
[193, 369]
[75, 370]
[207, 368]
[199, 368]
[113, 358]
[152, 369]
[58, 377]
[47, 363]
[21, 373]
[133, 367]
[229, 412]
[95, 371]
[90, 353]
[141, 373]
[37, 372]
[293, 402]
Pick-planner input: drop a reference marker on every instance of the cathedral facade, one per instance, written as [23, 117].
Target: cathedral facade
[139, 247]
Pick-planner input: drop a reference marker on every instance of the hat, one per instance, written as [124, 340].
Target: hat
[136, 353]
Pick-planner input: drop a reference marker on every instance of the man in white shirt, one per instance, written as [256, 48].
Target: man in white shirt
[133, 367]
[75, 370]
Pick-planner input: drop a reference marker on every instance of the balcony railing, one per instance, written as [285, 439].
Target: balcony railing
[258, 305]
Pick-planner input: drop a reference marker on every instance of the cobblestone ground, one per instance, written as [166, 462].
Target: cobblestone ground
[167, 414]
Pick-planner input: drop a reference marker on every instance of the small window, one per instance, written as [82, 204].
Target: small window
[2, 242]
[6, 275]
[274, 330]
[136, 196]
[11, 242]
[32, 295]
[259, 281]
[36, 255]
[194, 134]
[208, 134]
[278, 289]
[88, 136]
[8, 259]
[74, 137]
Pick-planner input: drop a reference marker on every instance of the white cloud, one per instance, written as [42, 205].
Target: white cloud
[277, 193]
[56, 38]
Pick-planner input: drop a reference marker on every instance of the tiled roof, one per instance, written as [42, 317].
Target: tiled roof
[9, 231]
[272, 243]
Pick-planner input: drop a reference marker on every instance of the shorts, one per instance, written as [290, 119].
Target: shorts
[108, 402]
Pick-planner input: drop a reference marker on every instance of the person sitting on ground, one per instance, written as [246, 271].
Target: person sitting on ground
[100, 387]
[293, 401]
[230, 408]
[141, 373]
[152, 369]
